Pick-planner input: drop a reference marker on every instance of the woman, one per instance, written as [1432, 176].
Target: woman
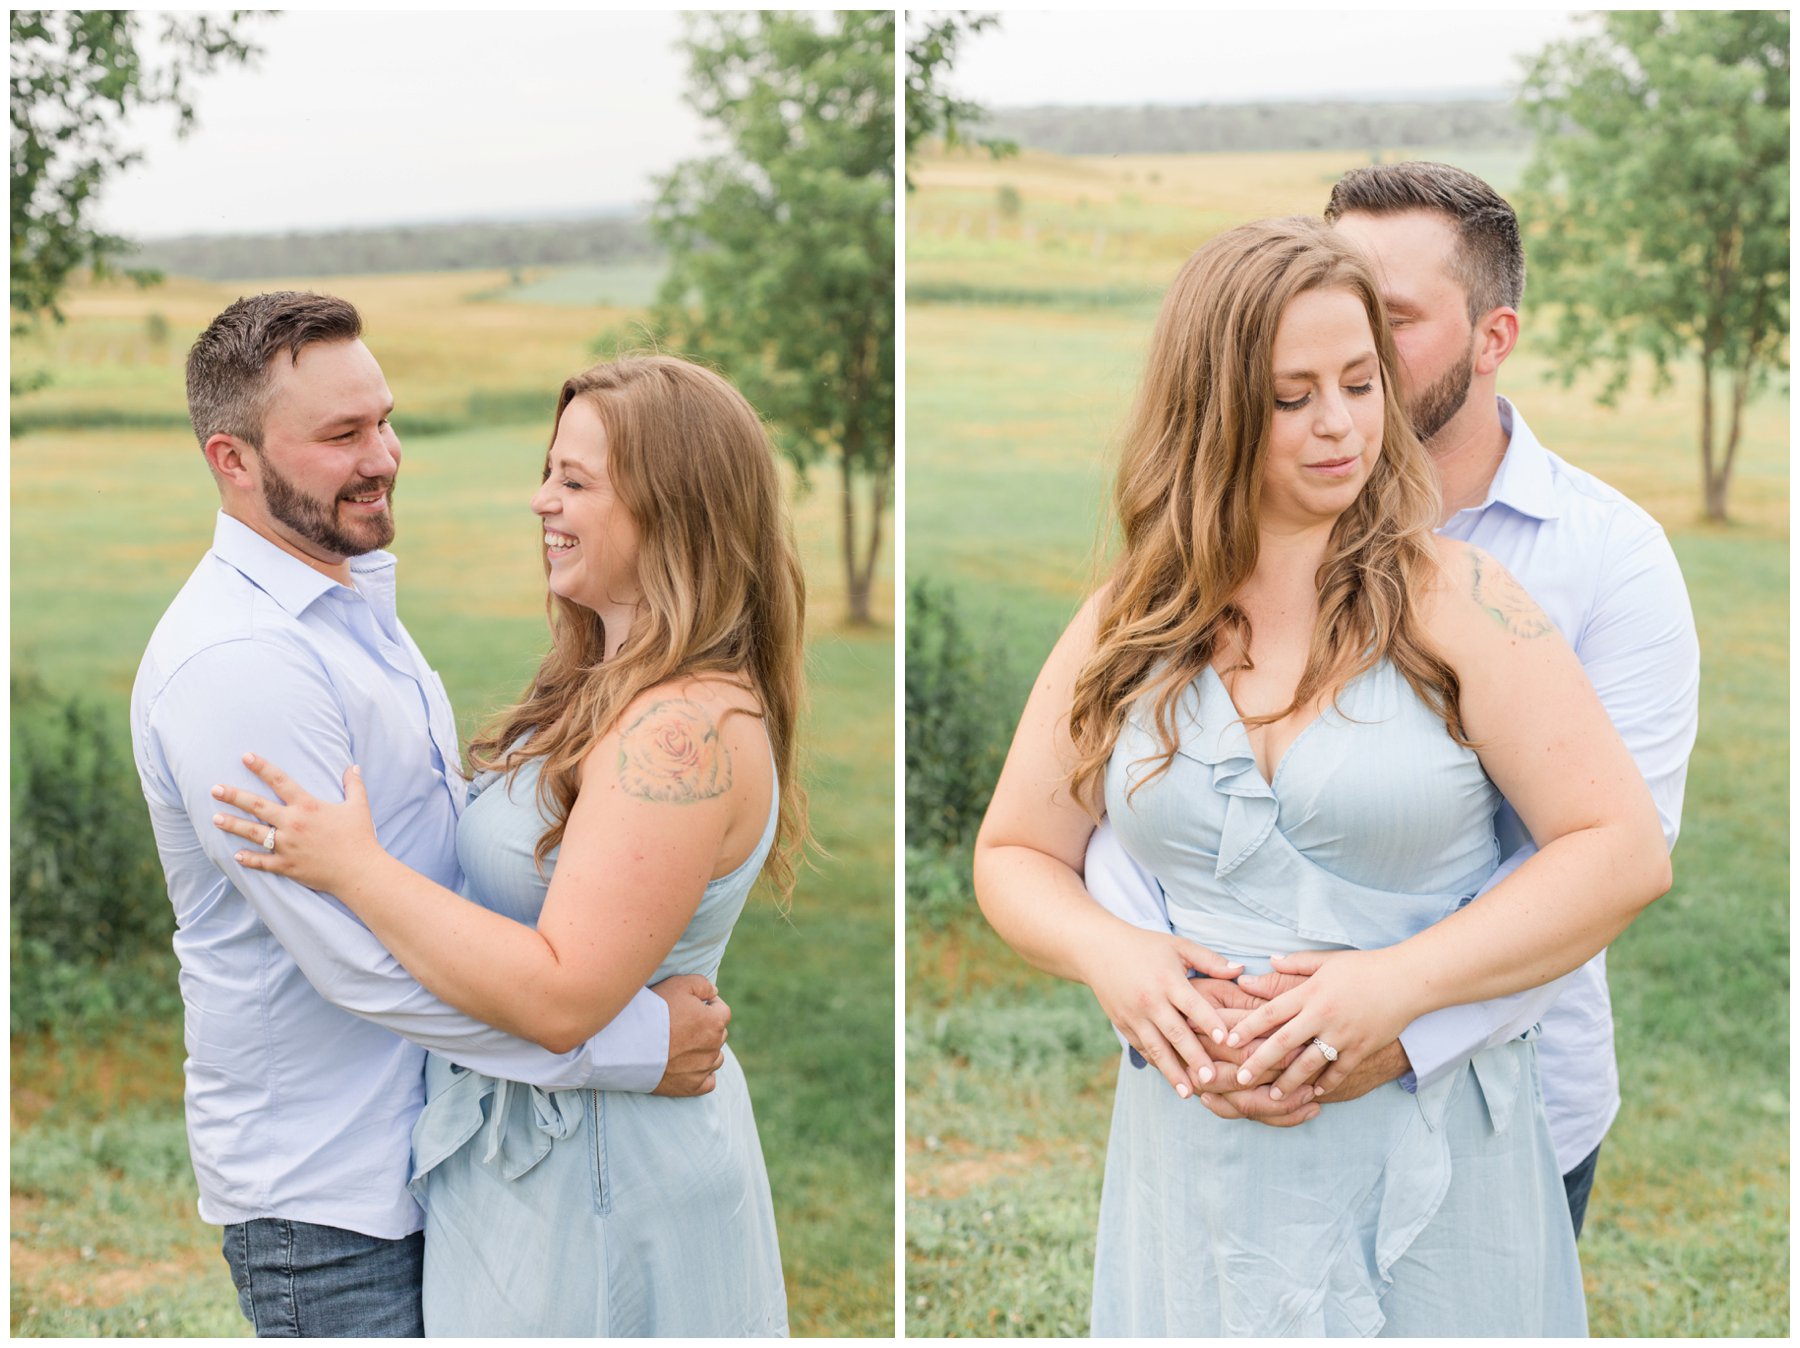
[619, 815]
[1294, 703]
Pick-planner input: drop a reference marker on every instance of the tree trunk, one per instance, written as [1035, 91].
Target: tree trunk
[1740, 393]
[865, 576]
[856, 582]
[859, 556]
[1741, 380]
[1712, 486]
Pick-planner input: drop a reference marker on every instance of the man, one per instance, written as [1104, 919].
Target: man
[1451, 265]
[305, 1038]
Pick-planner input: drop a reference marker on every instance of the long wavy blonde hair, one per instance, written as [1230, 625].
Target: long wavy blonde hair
[719, 575]
[1189, 492]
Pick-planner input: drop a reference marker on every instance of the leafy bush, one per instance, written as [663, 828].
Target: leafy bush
[959, 719]
[940, 885]
[90, 921]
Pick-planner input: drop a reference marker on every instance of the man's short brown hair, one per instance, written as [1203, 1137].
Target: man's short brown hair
[228, 367]
[1490, 255]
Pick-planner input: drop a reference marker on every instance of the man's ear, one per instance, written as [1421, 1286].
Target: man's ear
[1496, 334]
[228, 457]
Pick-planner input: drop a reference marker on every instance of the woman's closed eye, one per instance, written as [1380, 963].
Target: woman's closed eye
[1362, 390]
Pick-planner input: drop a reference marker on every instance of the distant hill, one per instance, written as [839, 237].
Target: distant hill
[450, 247]
[1195, 128]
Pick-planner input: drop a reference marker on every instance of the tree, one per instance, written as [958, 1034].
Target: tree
[931, 109]
[782, 251]
[75, 74]
[1660, 183]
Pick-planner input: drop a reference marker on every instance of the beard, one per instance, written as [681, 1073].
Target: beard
[317, 521]
[1443, 398]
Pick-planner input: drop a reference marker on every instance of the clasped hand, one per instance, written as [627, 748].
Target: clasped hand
[316, 842]
[1346, 1000]
[1263, 1044]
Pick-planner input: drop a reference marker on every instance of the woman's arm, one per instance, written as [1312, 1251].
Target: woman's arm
[645, 835]
[1547, 743]
[1027, 878]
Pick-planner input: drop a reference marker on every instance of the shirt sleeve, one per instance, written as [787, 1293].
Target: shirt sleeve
[1126, 890]
[1446, 1039]
[1642, 654]
[1121, 886]
[263, 695]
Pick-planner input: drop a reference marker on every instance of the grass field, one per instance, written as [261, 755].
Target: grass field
[104, 1236]
[1023, 344]
[631, 284]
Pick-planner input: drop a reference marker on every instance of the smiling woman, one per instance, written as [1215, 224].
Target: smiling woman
[578, 502]
[621, 814]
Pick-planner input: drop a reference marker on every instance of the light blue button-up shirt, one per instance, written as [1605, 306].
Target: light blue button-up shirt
[1603, 571]
[305, 1038]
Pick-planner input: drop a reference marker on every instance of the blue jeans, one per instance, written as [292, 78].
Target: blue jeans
[297, 1280]
[1578, 1184]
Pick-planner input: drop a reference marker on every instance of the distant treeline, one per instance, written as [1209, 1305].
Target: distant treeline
[455, 247]
[1255, 126]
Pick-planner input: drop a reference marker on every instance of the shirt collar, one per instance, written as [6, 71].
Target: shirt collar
[286, 579]
[1523, 482]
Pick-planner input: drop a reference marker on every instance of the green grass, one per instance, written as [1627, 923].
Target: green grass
[106, 524]
[616, 285]
[1011, 413]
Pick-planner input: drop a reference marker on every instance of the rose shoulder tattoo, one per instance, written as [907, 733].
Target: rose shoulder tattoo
[1504, 600]
[673, 754]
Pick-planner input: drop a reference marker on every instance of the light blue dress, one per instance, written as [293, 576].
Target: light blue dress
[591, 1213]
[1440, 1213]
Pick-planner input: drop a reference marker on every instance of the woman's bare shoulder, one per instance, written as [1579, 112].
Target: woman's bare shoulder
[1476, 584]
[1475, 610]
[682, 740]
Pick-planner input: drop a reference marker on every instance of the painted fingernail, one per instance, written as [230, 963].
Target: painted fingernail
[1208, 1100]
[1274, 1092]
[249, 758]
[1182, 1090]
[218, 819]
[1243, 1076]
[1218, 1036]
[218, 791]
[1206, 1074]
[241, 857]
[1232, 1039]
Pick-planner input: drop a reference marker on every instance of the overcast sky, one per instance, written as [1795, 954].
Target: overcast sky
[395, 117]
[1241, 55]
[380, 118]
